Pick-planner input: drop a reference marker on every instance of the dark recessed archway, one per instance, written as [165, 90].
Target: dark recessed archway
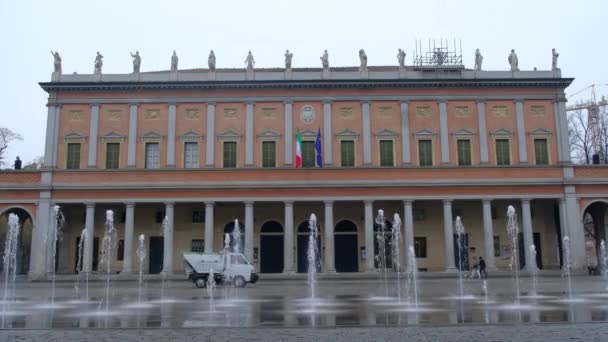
[346, 246]
[271, 247]
[24, 240]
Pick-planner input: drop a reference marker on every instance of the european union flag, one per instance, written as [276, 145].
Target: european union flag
[318, 149]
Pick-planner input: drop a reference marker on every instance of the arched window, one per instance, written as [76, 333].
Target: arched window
[271, 227]
[345, 226]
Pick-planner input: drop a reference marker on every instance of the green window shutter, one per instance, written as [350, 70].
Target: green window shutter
[425, 152]
[308, 154]
[269, 154]
[541, 152]
[191, 155]
[112, 155]
[229, 154]
[73, 161]
[503, 153]
[386, 153]
[347, 153]
[464, 152]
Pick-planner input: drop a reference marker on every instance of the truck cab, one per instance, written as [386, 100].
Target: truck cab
[227, 268]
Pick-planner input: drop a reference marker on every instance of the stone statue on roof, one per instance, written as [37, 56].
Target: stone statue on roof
[211, 61]
[174, 61]
[136, 62]
[478, 60]
[554, 56]
[325, 60]
[98, 63]
[401, 59]
[363, 60]
[250, 61]
[288, 57]
[513, 61]
[56, 61]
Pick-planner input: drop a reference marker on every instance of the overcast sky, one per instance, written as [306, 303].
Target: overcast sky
[78, 28]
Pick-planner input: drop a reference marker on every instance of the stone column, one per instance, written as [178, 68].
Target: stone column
[526, 217]
[330, 264]
[132, 142]
[249, 135]
[558, 133]
[576, 231]
[443, 125]
[488, 235]
[367, 143]
[93, 132]
[408, 230]
[127, 265]
[171, 136]
[51, 138]
[448, 235]
[288, 245]
[88, 243]
[483, 133]
[39, 246]
[168, 240]
[249, 230]
[209, 227]
[521, 132]
[563, 224]
[405, 134]
[369, 236]
[327, 140]
[288, 133]
[563, 127]
[210, 144]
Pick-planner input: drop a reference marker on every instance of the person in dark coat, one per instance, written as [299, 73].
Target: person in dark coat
[482, 268]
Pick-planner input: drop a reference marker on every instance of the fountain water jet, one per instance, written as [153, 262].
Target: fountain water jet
[141, 255]
[567, 267]
[57, 226]
[534, 272]
[513, 232]
[312, 254]
[396, 239]
[81, 243]
[236, 237]
[413, 273]
[381, 238]
[604, 261]
[108, 248]
[10, 253]
[459, 228]
[210, 288]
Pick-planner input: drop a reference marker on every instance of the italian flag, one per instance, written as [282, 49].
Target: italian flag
[298, 149]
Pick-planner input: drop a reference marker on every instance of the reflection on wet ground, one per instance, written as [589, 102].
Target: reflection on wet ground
[276, 310]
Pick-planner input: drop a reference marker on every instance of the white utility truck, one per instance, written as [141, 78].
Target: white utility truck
[233, 268]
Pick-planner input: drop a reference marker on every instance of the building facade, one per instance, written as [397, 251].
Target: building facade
[203, 148]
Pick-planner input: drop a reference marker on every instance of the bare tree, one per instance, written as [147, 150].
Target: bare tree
[581, 143]
[6, 137]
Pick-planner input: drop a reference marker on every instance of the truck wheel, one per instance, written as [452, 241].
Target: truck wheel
[200, 282]
[239, 282]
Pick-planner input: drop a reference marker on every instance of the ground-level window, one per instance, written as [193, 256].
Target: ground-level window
[425, 152]
[198, 246]
[112, 155]
[503, 152]
[73, 161]
[541, 152]
[386, 153]
[269, 154]
[229, 154]
[191, 155]
[496, 245]
[464, 151]
[152, 159]
[420, 246]
[198, 216]
[308, 154]
[347, 153]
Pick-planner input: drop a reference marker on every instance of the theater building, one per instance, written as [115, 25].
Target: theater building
[204, 148]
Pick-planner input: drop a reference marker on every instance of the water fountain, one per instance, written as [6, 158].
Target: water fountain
[567, 267]
[141, 256]
[459, 228]
[381, 239]
[210, 288]
[108, 247]
[534, 273]
[236, 237]
[604, 261]
[312, 255]
[227, 242]
[10, 253]
[57, 225]
[413, 273]
[513, 232]
[163, 274]
[79, 265]
[484, 288]
[396, 239]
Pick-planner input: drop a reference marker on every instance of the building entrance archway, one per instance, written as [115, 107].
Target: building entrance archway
[346, 246]
[271, 247]
[24, 240]
[595, 224]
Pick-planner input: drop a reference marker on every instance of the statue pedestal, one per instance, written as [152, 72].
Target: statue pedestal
[401, 73]
[364, 73]
[97, 77]
[135, 77]
[325, 74]
[249, 75]
[173, 75]
[55, 76]
[211, 75]
[288, 74]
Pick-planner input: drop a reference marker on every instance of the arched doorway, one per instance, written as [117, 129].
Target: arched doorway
[303, 238]
[24, 240]
[271, 247]
[229, 229]
[384, 257]
[346, 246]
[595, 219]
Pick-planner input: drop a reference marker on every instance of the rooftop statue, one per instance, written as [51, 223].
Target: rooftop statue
[554, 55]
[136, 61]
[56, 62]
[325, 60]
[288, 57]
[513, 61]
[401, 59]
[438, 56]
[174, 61]
[250, 61]
[211, 61]
[98, 63]
[363, 60]
[478, 60]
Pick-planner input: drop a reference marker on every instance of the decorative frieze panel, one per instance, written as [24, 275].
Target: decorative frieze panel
[500, 111]
[538, 110]
[462, 111]
[385, 112]
[231, 113]
[424, 112]
[345, 113]
[152, 114]
[192, 114]
[269, 113]
[114, 114]
[75, 115]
